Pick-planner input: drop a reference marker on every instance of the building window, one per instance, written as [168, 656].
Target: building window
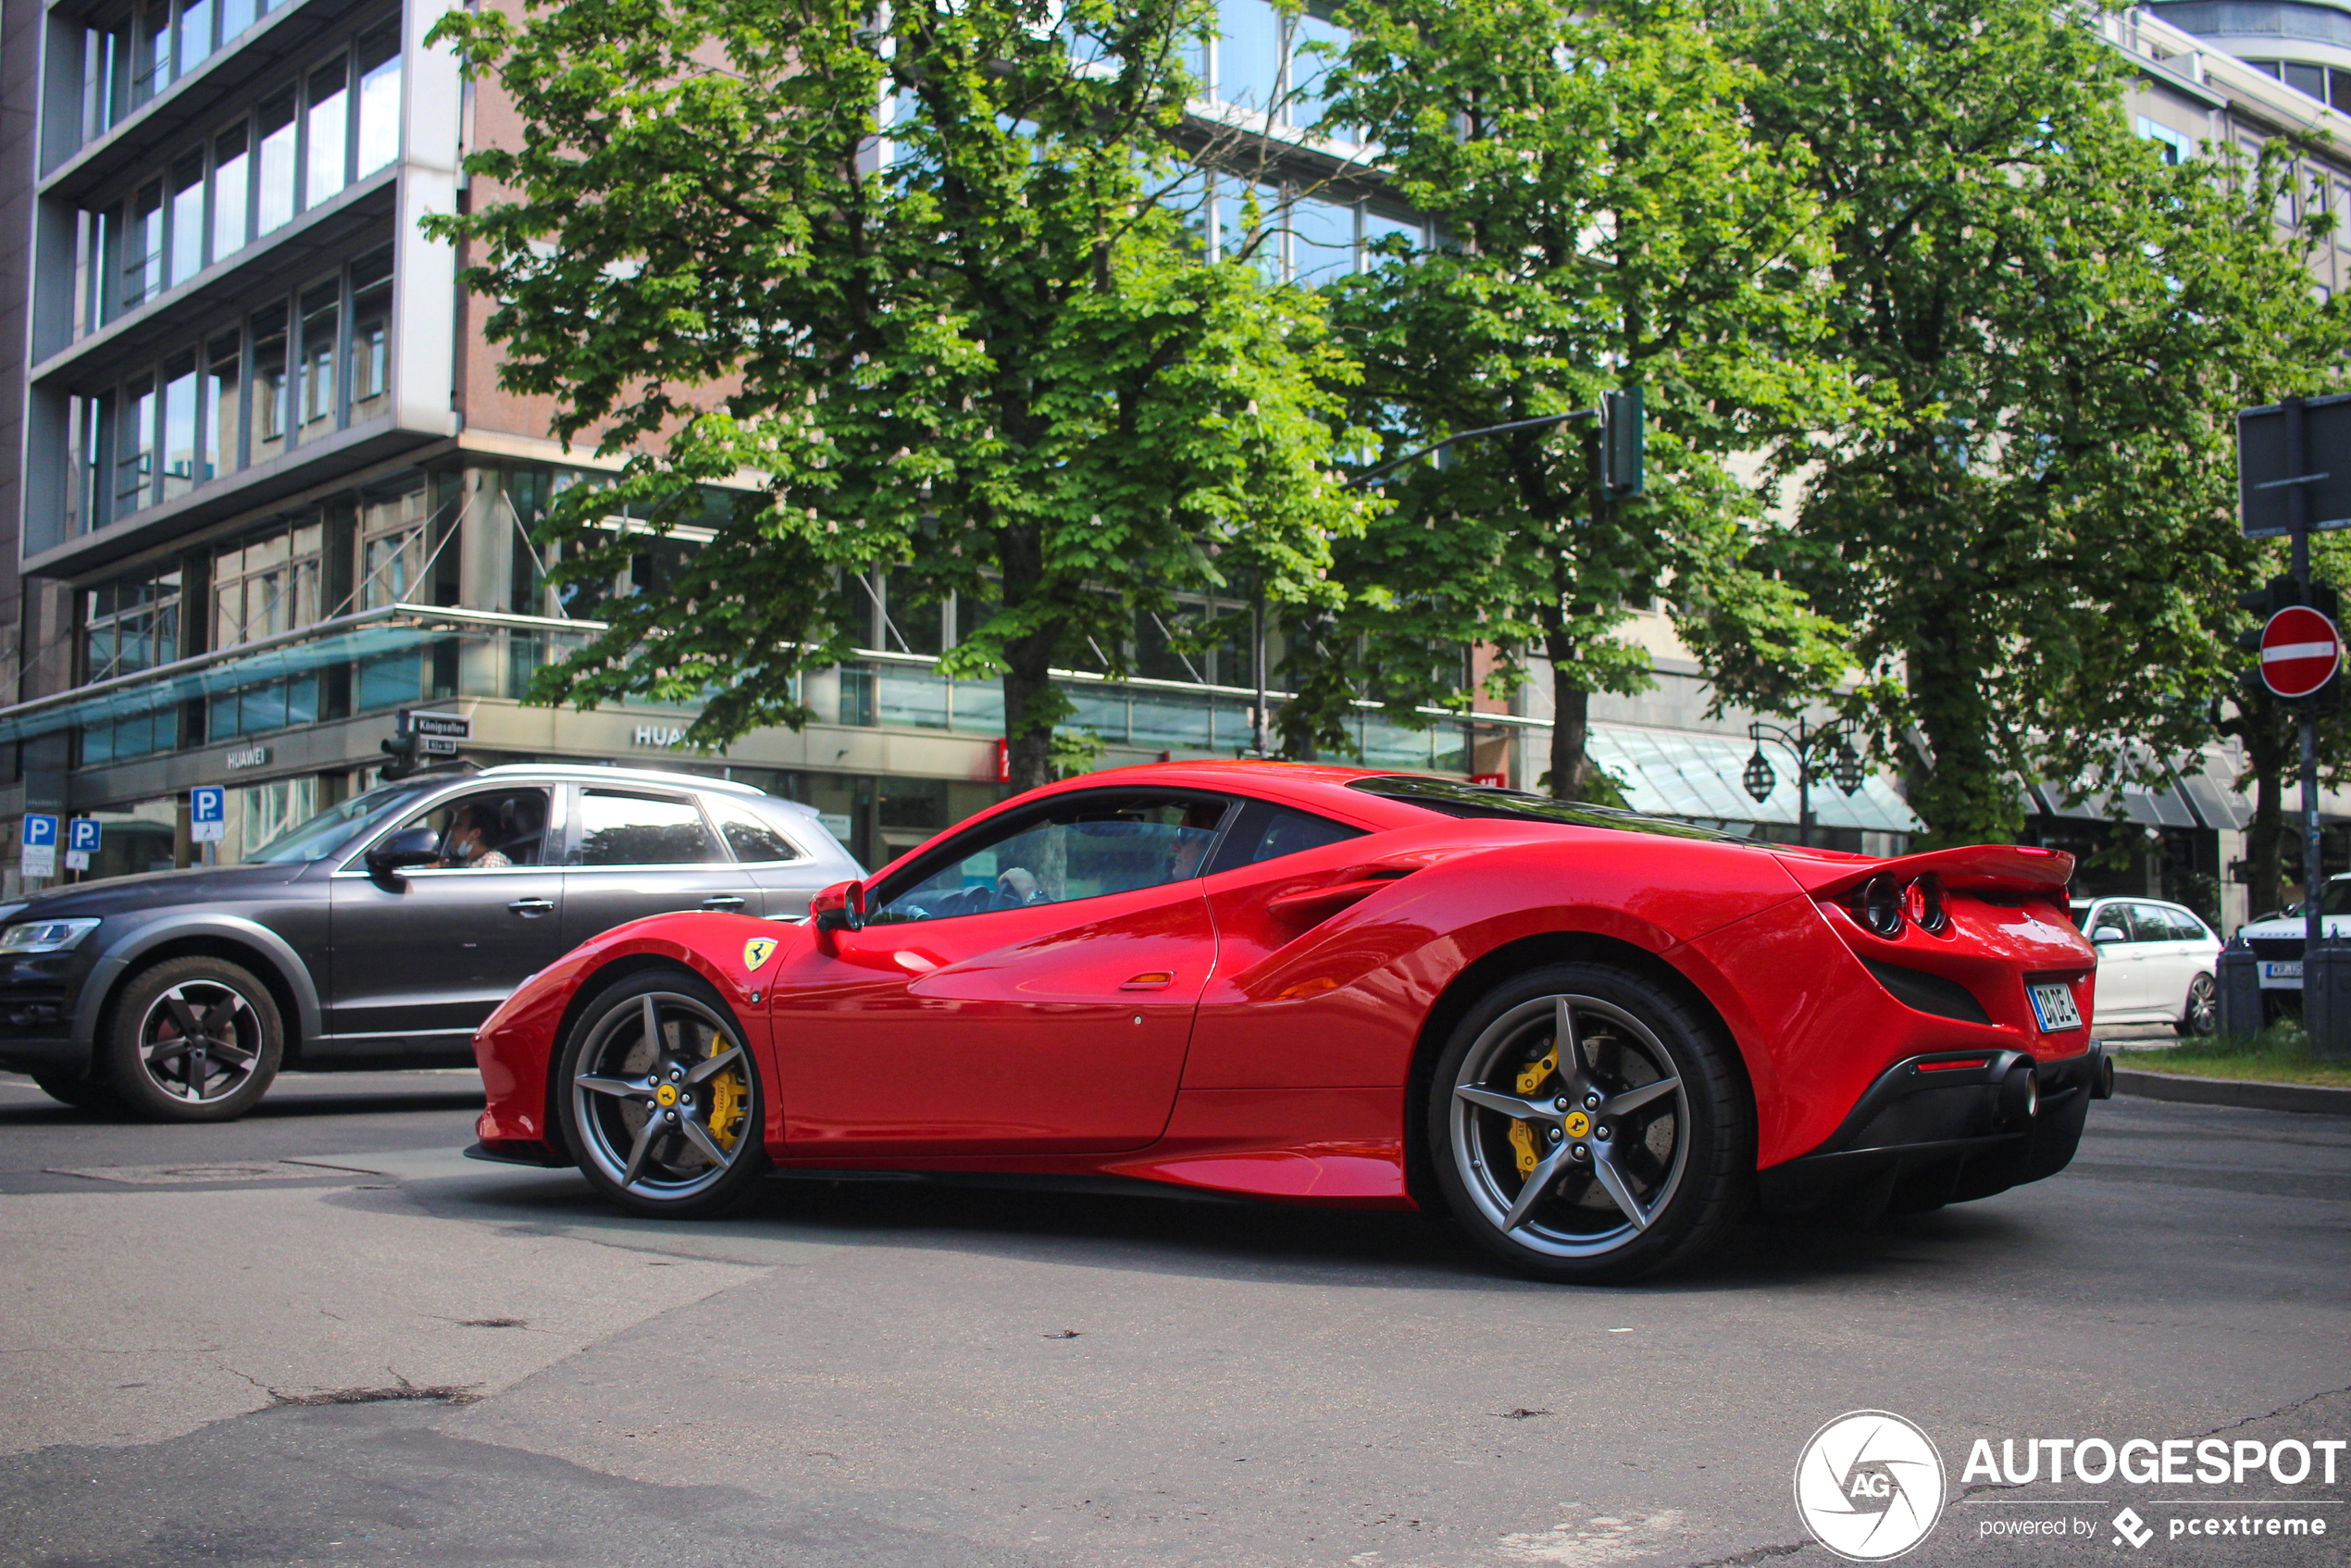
[1263, 61]
[268, 383]
[186, 220]
[378, 99]
[130, 623]
[180, 426]
[134, 455]
[393, 547]
[275, 207]
[128, 626]
[371, 336]
[192, 37]
[232, 173]
[315, 396]
[142, 247]
[267, 585]
[2177, 147]
[328, 134]
[224, 394]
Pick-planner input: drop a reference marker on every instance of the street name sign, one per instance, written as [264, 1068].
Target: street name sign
[2300, 650]
[438, 735]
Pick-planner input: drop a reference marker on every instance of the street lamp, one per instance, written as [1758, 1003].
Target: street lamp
[1823, 750]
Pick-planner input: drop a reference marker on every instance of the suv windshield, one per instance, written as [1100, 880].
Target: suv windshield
[329, 831]
[1455, 799]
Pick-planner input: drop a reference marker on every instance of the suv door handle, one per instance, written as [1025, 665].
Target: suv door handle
[723, 900]
[532, 909]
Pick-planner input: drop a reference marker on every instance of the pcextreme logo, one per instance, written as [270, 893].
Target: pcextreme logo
[1869, 1486]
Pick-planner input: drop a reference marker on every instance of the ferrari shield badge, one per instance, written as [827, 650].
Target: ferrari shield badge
[758, 950]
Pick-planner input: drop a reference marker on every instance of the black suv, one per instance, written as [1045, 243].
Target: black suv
[380, 932]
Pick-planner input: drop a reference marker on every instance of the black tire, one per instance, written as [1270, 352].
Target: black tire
[230, 1015]
[618, 1075]
[2200, 1017]
[1634, 1177]
[82, 1094]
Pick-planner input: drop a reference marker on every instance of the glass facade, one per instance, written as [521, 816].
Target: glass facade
[292, 150]
[184, 422]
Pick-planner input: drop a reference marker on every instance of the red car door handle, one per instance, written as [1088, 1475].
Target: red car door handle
[1149, 980]
[1317, 904]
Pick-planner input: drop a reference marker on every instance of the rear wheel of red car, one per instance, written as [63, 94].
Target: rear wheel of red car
[1589, 1126]
[661, 1099]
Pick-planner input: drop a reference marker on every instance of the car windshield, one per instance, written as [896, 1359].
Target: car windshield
[331, 829]
[1456, 799]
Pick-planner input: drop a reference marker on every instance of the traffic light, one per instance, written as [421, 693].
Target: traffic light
[1621, 439]
[401, 750]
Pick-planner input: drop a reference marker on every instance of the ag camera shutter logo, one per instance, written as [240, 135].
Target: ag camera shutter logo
[1869, 1486]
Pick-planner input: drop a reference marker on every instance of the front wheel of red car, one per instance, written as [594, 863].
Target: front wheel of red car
[1589, 1126]
[661, 1099]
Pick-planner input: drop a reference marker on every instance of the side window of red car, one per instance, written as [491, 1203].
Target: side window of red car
[1075, 847]
[1266, 831]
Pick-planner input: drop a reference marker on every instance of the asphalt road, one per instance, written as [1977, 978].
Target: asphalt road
[318, 1336]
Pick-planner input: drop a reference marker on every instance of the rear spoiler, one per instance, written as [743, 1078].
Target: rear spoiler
[2017, 868]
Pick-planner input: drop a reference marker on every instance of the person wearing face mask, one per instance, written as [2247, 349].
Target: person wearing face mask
[466, 847]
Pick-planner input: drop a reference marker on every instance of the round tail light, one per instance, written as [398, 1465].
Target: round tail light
[1923, 902]
[1878, 906]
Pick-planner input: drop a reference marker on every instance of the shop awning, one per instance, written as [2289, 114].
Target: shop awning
[391, 629]
[1679, 773]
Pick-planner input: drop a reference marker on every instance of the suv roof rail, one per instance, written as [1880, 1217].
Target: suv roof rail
[640, 774]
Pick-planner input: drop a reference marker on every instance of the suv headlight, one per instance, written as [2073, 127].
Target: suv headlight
[45, 936]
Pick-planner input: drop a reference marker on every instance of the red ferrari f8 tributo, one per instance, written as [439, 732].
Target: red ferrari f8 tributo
[1595, 1039]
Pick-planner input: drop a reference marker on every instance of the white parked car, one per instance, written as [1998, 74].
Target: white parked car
[2156, 963]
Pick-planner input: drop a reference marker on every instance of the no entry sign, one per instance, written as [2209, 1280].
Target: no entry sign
[2299, 651]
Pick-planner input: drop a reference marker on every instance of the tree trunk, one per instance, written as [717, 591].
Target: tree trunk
[1964, 795]
[1571, 723]
[1032, 705]
[2263, 838]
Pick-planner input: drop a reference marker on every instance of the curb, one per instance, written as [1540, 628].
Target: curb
[2312, 1098]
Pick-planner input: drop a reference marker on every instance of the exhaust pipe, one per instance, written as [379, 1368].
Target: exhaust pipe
[2020, 1096]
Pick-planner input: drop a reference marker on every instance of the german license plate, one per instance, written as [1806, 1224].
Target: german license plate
[2281, 972]
[2053, 1005]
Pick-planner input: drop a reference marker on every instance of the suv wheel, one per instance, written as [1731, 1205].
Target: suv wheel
[193, 1039]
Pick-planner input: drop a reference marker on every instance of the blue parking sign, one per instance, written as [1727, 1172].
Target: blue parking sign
[83, 835]
[40, 832]
[208, 814]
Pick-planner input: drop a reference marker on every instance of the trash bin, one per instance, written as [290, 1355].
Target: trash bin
[2326, 999]
[2239, 979]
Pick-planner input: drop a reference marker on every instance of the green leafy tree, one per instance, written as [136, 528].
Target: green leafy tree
[905, 273]
[1608, 220]
[2032, 534]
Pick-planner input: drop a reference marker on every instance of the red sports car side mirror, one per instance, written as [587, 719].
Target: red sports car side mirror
[840, 907]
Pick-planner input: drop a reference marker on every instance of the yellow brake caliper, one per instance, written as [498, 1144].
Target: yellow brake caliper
[730, 1097]
[1523, 1136]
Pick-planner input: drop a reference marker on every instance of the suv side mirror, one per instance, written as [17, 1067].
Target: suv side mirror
[2109, 934]
[840, 907]
[409, 847]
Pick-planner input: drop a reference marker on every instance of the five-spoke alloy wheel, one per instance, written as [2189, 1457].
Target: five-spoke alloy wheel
[662, 1107]
[193, 1039]
[1588, 1126]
